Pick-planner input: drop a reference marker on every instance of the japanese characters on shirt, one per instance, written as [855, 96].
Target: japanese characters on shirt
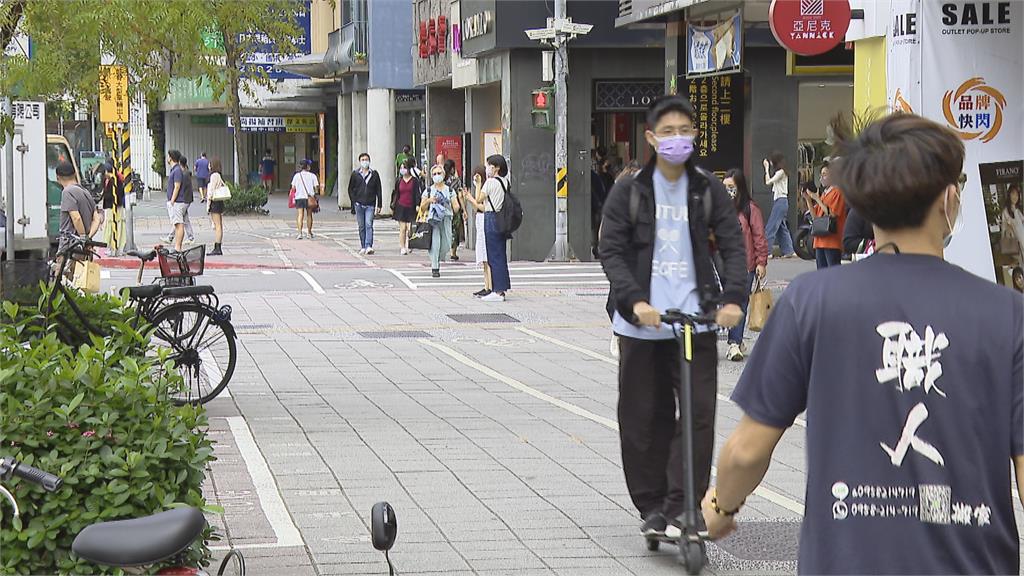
[910, 364]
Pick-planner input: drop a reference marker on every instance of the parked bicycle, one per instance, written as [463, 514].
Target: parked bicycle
[187, 319]
[134, 544]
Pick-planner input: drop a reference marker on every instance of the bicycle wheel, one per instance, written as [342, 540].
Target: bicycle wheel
[202, 347]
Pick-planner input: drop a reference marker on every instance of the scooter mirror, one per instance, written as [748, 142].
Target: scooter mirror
[383, 526]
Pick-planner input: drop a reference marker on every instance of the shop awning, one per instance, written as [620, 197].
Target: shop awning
[312, 65]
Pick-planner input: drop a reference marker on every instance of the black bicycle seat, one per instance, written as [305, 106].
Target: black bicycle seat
[144, 256]
[188, 291]
[140, 541]
[144, 291]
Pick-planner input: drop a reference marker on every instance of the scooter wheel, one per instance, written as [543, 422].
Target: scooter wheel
[691, 556]
[653, 545]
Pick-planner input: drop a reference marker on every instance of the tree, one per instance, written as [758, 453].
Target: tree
[243, 29]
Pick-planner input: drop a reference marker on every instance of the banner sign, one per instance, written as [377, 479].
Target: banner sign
[1001, 184]
[714, 49]
[719, 103]
[960, 64]
[451, 148]
[809, 27]
[114, 94]
[304, 124]
[267, 56]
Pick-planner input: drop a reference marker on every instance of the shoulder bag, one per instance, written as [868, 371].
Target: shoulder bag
[312, 202]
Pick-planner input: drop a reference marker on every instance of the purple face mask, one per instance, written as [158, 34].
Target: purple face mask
[675, 149]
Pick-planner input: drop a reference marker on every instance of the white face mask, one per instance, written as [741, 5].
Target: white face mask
[364, 164]
[438, 178]
[958, 223]
[403, 171]
[490, 171]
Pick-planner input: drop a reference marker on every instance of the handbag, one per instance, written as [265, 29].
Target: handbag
[823, 225]
[291, 197]
[312, 202]
[759, 308]
[87, 276]
[221, 192]
[421, 237]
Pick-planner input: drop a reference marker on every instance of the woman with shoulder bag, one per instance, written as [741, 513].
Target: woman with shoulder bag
[404, 200]
[218, 192]
[752, 226]
[306, 186]
[454, 182]
[440, 204]
[830, 205]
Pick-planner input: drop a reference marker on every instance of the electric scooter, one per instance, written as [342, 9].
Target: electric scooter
[691, 552]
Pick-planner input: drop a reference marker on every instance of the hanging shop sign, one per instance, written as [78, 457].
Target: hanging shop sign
[960, 64]
[114, 94]
[477, 25]
[295, 124]
[809, 27]
[718, 102]
[714, 49]
[615, 96]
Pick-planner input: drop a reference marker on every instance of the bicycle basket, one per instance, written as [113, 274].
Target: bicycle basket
[184, 264]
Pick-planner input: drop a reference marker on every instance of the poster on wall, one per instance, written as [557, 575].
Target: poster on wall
[718, 101]
[1004, 210]
[714, 49]
[451, 148]
[960, 64]
[492, 145]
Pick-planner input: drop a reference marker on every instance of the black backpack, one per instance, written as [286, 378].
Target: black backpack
[510, 217]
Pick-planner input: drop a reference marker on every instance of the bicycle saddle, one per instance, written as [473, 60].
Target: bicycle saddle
[144, 256]
[140, 541]
[144, 291]
[188, 291]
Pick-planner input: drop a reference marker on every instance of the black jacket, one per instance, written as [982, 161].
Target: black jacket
[856, 232]
[627, 251]
[365, 192]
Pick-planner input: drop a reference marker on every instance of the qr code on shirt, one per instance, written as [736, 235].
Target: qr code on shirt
[935, 502]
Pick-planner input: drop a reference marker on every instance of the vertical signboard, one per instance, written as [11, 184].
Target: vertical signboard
[451, 148]
[718, 101]
[969, 76]
[114, 94]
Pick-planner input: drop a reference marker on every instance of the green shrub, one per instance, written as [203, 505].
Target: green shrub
[100, 418]
[246, 199]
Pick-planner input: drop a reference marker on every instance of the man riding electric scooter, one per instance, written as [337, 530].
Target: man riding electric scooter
[656, 250]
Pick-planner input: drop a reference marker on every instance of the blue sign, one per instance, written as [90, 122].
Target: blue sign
[715, 49]
[266, 55]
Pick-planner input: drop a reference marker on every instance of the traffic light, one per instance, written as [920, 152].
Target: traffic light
[544, 108]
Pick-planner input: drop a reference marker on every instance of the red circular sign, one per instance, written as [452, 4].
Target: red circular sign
[809, 27]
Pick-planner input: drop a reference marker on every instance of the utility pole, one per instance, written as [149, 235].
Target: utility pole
[558, 32]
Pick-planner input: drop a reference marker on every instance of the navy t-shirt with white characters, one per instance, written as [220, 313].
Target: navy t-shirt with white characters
[911, 371]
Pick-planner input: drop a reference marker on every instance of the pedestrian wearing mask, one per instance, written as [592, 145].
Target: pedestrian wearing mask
[454, 182]
[828, 250]
[497, 259]
[404, 201]
[655, 250]
[937, 441]
[752, 226]
[440, 203]
[364, 189]
[478, 200]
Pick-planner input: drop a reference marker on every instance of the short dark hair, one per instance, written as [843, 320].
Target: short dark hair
[174, 155]
[364, 155]
[183, 162]
[449, 166]
[409, 163]
[267, 152]
[896, 168]
[669, 103]
[480, 171]
[203, 154]
[66, 170]
[215, 165]
[406, 148]
[499, 161]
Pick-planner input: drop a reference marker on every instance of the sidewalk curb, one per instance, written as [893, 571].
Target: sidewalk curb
[133, 264]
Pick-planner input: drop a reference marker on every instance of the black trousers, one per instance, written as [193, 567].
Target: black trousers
[652, 449]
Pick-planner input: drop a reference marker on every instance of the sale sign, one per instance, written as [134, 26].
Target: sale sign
[809, 27]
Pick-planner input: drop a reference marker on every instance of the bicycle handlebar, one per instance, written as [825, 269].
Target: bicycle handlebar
[11, 467]
[79, 243]
[675, 316]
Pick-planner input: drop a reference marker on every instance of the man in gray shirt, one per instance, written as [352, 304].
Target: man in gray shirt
[78, 213]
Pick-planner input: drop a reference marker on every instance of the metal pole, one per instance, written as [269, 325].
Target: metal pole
[125, 147]
[7, 109]
[561, 251]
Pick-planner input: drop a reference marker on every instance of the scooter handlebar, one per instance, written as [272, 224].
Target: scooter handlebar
[674, 316]
[49, 482]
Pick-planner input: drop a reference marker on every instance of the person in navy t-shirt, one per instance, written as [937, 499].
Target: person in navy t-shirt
[202, 175]
[911, 371]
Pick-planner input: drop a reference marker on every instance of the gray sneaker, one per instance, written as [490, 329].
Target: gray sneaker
[654, 526]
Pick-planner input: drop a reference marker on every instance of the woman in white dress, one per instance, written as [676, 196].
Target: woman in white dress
[1012, 224]
[477, 200]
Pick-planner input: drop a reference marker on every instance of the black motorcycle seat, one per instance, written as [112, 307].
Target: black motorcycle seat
[140, 541]
[188, 291]
[144, 291]
[144, 256]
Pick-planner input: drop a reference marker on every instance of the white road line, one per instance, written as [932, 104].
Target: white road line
[766, 493]
[609, 360]
[268, 272]
[104, 274]
[402, 277]
[519, 284]
[312, 283]
[280, 253]
[285, 531]
[476, 275]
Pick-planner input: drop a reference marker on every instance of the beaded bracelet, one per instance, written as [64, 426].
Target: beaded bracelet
[718, 510]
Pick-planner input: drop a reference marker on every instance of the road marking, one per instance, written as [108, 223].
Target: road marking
[285, 531]
[609, 360]
[312, 283]
[403, 279]
[476, 275]
[268, 272]
[104, 274]
[280, 253]
[766, 493]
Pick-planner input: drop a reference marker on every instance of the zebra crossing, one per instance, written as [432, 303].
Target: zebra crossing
[522, 274]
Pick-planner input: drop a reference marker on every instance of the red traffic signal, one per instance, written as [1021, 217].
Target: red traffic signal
[542, 99]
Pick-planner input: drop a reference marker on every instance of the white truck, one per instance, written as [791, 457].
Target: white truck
[35, 214]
